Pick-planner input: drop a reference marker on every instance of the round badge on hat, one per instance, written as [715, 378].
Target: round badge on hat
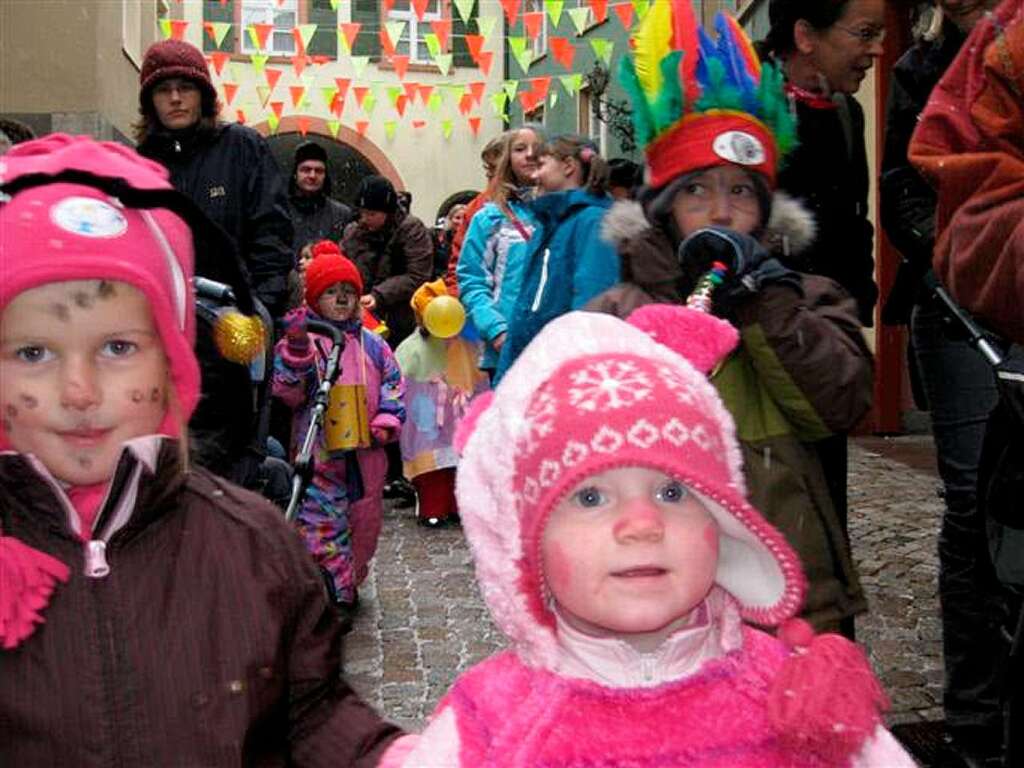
[88, 217]
[739, 147]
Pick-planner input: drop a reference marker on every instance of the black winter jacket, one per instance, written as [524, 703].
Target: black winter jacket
[317, 218]
[907, 200]
[232, 176]
[828, 172]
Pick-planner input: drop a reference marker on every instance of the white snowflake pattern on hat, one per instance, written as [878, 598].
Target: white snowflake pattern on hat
[608, 385]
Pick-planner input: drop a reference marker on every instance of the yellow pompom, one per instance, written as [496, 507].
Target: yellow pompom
[239, 338]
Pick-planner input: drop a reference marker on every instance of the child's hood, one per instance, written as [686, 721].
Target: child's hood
[520, 455]
[649, 258]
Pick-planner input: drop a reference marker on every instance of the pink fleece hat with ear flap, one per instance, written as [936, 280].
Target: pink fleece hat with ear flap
[589, 394]
[59, 232]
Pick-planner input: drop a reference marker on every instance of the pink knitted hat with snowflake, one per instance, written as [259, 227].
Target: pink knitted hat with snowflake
[592, 393]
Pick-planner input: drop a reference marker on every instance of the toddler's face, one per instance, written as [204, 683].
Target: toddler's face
[724, 196]
[628, 552]
[339, 302]
[82, 370]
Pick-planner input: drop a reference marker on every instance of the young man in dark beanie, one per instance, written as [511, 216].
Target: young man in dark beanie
[316, 215]
[226, 168]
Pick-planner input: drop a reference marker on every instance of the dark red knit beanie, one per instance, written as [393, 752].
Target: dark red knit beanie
[174, 58]
[325, 270]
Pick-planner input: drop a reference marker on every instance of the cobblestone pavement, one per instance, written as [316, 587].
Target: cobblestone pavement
[422, 621]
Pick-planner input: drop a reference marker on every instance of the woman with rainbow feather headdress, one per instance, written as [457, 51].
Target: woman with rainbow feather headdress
[715, 126]
[602, 494]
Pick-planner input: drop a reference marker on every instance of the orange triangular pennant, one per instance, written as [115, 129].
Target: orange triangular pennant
[511, 8]
[532, 22]
[337, 105]
[303, 123]
[540, 86]
[466, 103]
[443, 29]
[300, 47]
[599, 8]
[230, 89]
[385, 42]
[297, 92]
[388, 5]
[400, 104]
[262, 33]
[477, 89]
[484, 61]
[419, 7]
[240, 116]
[425, 92]
[272, 75]
[178, 28]
[625, 13]
[343, 83]
[360, 91]
[475, 44]
[474, 125]
[299, 64]
[361, 126]
[219, 59]
[401, 64]
[562, 50]
[350, 31]
[277, 107]
[411, 89]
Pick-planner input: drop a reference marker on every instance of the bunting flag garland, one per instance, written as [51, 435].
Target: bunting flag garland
[475, 44]
[277, 107]
[486, 25]
[259, 34]
[272, 75]
[511, 8]
[444, 62]
[580, 18]
[298, 93]
[434, 104]
[400, 104]
[361, 126]
[393, 92]
[540, 86]
[419, 7]
[361, 93]
[642, 6]
[520, 52]
[426, 93]
[411, 91]
[369, 102]
[484, 61]
[343, 84]
[554, 9]
[219, 59]
[477, 89]
[230, 89]
[498, 101]
[347, 33]
[334, 126]
[510, 87]
[562, 50]
[572, 83]
[258, 61]
[433, 44]
[303, 34]
[443, 29]
[173, 29]
[401, 64]
[465, 9]
[625, 13]
[240, 116]
[303, 124]
[466, 104]
[395, 30]
[532, 22]
[389, 129]
[328, 93]
[603, 49]
[299, 64]
[599, 9]
[446, 127]
[474, 125]
[263, 93]
[273, 121]
[217, 30]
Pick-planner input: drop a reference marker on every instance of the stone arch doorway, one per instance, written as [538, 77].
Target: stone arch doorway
[350, 156]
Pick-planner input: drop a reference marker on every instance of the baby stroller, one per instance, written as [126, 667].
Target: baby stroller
[1000, 494]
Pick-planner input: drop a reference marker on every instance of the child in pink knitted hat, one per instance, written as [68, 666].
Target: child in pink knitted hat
[603, 499]
[150, 612]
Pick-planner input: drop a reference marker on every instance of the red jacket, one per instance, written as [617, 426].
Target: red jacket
[209, 643]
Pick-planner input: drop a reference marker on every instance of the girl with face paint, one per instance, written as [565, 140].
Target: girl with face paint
[133, 584]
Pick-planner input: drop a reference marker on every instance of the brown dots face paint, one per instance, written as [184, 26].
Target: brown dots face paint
[11, 411]
[62, 312]
[154, 395]
[82, 299]
[106, 290]
[136, 396]
[85, 462]
[28, 401]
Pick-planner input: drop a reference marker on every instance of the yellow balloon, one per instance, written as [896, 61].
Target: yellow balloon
[444, 317]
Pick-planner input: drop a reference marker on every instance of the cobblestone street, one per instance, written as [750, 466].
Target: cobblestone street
[422, 621]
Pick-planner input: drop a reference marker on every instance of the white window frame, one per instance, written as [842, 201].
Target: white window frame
[131, 30]
[539, 45]
[411, 33]
[587, 123]
[266, 12]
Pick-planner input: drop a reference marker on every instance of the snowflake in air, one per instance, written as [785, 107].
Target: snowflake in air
[608, 385]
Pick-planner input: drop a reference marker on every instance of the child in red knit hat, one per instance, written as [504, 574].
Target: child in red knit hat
[602, 495]
[151, 613]
[341, 513]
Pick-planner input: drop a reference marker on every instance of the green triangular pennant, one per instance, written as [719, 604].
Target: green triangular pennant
[510, 87]
[258, 60]
[444, 63]
[328, 93]
[580, 18]
[273, 122]
[641, 6]
[334, 4]
[343, 45]
[220, 31]
[359, 65]
[306, 32]
[465, 9]
[165, 28]
[433, 44]
[486, 26]
[369, 102]
[389, 129]
[522, 54]
[603, 49]
[457, 92]
[446, 127]
[572, 83]
[554, 9]
[434, 104]
[394, 91]
[334, 126]
[395, 30]
[498, 102]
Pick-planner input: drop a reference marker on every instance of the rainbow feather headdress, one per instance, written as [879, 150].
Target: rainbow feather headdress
[699, 102]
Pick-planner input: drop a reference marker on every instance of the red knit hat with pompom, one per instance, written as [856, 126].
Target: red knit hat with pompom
[329, 266]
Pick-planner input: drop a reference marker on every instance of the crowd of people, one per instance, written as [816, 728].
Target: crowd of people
[633, 385]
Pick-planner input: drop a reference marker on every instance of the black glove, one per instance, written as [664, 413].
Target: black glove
[750, 265]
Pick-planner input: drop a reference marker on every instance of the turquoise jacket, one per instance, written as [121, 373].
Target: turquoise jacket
[567, 264]
[490, 270]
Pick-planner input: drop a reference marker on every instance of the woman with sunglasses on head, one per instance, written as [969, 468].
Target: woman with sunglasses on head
[825, 49]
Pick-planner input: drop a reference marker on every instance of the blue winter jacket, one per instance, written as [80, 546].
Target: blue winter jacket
[490, 269]
[568, 264]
